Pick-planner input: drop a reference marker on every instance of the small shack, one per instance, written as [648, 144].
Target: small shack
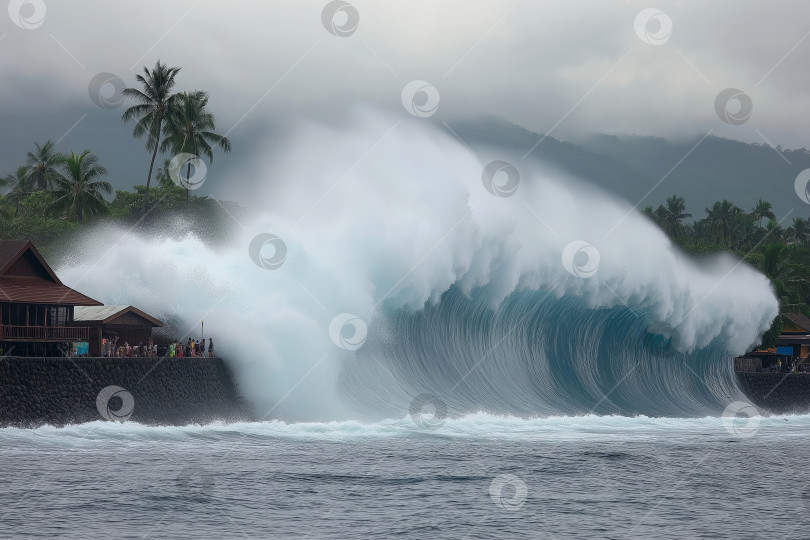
[127, 323]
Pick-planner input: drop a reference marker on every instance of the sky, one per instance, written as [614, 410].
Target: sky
[556, 67]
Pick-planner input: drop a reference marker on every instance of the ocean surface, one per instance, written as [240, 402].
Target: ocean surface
[479, 476]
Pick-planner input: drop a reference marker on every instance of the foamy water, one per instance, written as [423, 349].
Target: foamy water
[381, 220]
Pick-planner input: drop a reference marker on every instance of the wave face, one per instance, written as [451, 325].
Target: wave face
[554, 300]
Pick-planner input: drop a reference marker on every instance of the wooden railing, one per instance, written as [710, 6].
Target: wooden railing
[44, 333]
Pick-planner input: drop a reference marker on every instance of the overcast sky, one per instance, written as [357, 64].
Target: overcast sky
[564, 68]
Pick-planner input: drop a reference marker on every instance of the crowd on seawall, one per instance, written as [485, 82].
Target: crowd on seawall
[176, 349]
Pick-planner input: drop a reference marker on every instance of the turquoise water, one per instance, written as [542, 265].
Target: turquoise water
[480, 476]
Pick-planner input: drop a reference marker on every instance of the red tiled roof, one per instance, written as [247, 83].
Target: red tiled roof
[40, 291]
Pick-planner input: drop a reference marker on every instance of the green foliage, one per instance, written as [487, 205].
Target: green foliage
[155, 101]
[771, 337]
[54, 196]
[80, 189]
[33, 221]
[783, 255]
[41, 165]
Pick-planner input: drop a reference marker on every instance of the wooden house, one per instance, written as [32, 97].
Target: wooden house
[128, 324]
[36, 308]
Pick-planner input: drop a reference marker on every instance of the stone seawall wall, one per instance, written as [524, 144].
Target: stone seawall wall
[778, 393]
[162, 391]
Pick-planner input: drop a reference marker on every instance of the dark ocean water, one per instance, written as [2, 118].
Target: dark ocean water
[476, 477]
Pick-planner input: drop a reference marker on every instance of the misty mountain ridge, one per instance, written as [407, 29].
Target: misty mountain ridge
[631, 166]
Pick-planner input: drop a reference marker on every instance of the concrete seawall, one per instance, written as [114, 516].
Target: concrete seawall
[158, 391]
[778, 393]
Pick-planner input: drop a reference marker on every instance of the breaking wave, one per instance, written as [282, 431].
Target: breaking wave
[520, 291]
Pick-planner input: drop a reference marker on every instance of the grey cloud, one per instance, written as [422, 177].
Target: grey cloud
[538, 65]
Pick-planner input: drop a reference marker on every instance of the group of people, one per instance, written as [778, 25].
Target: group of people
[176, 349]
[192, 348]
[110, 347]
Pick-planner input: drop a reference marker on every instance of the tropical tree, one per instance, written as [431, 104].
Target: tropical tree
[775, 232]
[42, 165]
[190, 129]
[21, 187]
[788, 279]
[722, 219]
[162, 175]
[799, 232]
[155, 100]
[672, 216]
[79, 190]
[762, 209]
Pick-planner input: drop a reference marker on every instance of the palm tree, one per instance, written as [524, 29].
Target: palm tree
[722, 218]
[762, 209]
[21, 187]
[799, 232]
[162, 175]
[189, 128]
[80, 191]
[775, 232]
[155, 101]
[42, 164]
[787, 278]
[673, 215]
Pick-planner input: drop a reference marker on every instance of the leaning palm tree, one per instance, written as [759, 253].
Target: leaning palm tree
[79, 190]
[190, 128]
[42, 165]
[21, 187]
[762, 209]
[155, 101]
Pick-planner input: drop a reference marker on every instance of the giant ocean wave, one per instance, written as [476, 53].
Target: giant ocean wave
[468, 297]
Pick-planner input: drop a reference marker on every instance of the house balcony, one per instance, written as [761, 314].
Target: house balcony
[43, 333]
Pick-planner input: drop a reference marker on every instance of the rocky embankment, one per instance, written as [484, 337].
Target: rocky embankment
[157, 391]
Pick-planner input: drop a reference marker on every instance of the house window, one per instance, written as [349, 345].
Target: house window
[58, 316]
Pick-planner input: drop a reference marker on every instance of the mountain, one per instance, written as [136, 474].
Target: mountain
[650, 169]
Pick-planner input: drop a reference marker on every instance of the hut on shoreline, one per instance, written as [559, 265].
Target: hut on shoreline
[38, 313]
